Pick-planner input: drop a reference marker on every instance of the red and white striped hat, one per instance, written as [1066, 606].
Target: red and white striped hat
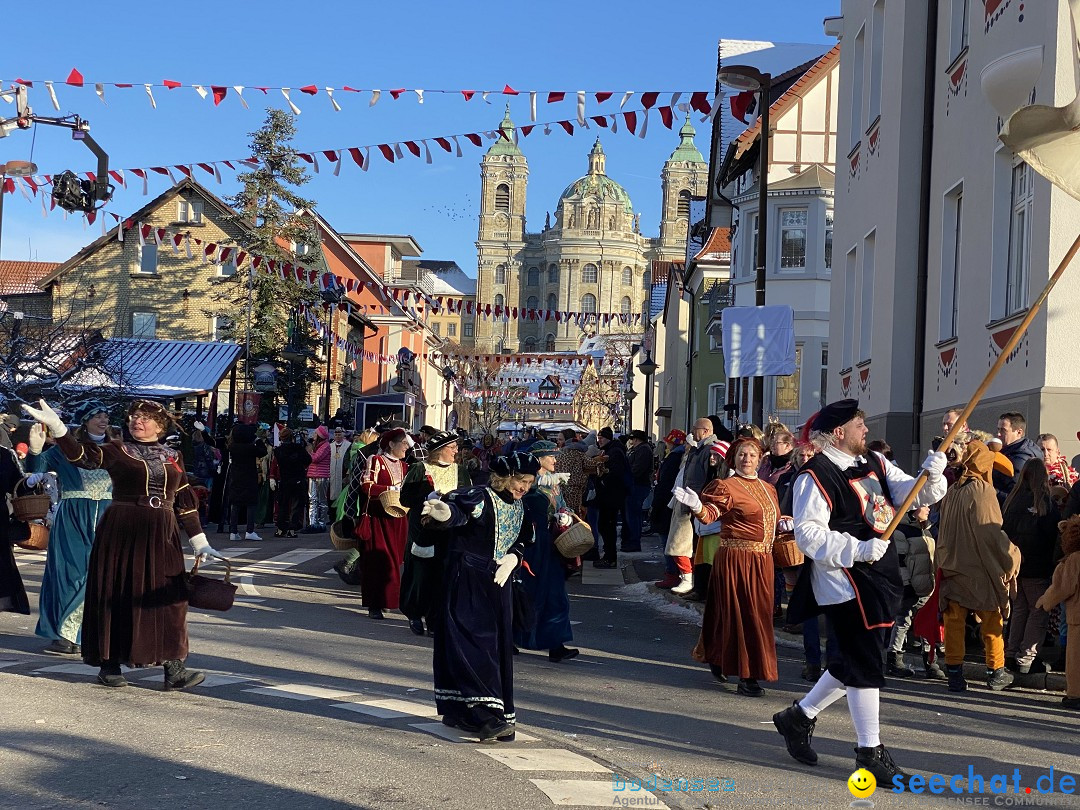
[720, 447]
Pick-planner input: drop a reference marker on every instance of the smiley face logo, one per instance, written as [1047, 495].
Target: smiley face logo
[862, 784]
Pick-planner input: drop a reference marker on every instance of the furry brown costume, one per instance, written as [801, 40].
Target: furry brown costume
[1065, 587]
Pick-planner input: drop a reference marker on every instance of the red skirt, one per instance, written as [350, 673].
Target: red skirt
[381, 559]
[737, 629]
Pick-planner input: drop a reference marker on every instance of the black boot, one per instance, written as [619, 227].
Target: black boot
[177, 676]
[750, 688]
[957, 682]
[880, 764]
[562, 653]
[797, 730]
[999, 678]
[897, 668]
[109, 674]
[931, 669]
[718, 673]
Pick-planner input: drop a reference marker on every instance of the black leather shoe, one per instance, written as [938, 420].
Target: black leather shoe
[718, 673]
[61, 646]
[178, 676]
[417, 626]
[749, 687]
[375, 613]
[1070, 703]
[562, 653]
[811, 673]
[453, 722]
[113, 678]
[999, 679]
[493, 729]
[797, 730]
[880, 764]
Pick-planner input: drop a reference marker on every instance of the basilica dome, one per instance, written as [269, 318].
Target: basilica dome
[597, 185]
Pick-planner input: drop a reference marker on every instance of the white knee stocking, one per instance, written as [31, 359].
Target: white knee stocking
[825, 692]
[863, 705]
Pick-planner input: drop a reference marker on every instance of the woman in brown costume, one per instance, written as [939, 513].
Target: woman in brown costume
[737, 628]
[136, 594]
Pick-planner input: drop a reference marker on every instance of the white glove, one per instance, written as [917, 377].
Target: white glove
[433, 496]
[34, 479]
[394, 488]
[871, 550]
[785, 526]
[563, 520]
[37, 439]
[202, 549]
[273, 484]
[560, 477]
[199, 426]
[436, 510]
[48, 417]
[934, 464]
[688, 498]
[506, 567]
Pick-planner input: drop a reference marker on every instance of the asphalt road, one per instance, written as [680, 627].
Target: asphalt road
[313, 705]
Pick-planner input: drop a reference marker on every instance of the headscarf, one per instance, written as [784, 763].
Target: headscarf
[977, 463]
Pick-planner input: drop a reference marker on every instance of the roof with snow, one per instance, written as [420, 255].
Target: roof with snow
[445, 277]
[21, 278]
[163, 368]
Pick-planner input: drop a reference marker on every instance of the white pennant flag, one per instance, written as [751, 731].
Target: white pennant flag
[122, 178]
[330, 95]
[337, 163]
[427, 152]
[457, 146]
[675, 98]
[419, 96]
[532, 105]
[52, 95]
[484, 96]
[625, 98]
[120, 231]
[138, 231]
[25, 189]
[293, 107]
[374, 97]
[367, 158]
[397, 151]
[150, 95]
[644, 124]
[614, 123]
[239, 90]
[99, 88]
[581, 108]
[200, 90]
[187, 244]
[217, 173]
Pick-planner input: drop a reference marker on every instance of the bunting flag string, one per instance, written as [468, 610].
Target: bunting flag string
[701, 100]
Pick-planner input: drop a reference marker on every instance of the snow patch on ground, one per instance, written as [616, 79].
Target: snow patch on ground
[640, 592]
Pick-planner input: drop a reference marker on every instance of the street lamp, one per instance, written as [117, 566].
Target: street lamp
[448, 375]
[648, 367]
[747, 78]
[332, 296]
[628, 406]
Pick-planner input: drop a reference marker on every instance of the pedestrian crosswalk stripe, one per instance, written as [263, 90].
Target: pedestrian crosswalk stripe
[8, 663]
[544, 759]
[69, 669]
[594, 793]
[389, 708]
[457, 735]
[300, 691]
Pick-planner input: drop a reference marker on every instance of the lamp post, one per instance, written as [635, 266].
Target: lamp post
[448, 375]
[332, 296]
[745, 77]
[648, 367]
[629, 394]
[293, 353]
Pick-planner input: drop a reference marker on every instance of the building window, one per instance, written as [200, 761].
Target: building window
[500, 274]
[682, 210]
[301, 248]
[589, 274]
[148, 259]
[952, 219]
[716, 342]
[189, 211]
[851, 273]
[553, 274]
[436, 327]
[717, 397]
[823, 395]
[866, 298]
[793, 238]
[876, 52]
[226, 269]
[143, 324]
[787, 388]
[502, 197]
[752, 269]
[222, 327]
[588, 303]
[1016, 276]
[549, 343]
[451, 330]
[857, 67]
[828, 239]
[534, 276]
[959, 32]
[625, 309]
[532, 303]
[467, 330]
[628, 276]
[498, 300]
[646, 279]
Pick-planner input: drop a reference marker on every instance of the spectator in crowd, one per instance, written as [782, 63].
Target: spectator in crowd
[1065, 587]
[339, 450]
[1016, 447]
[243, 479]
[1030, 519]
[640, 456]
[571, 459]
[483, 454]
[778, 460]
[1057, 466]
[882, 447]
[12, 593]
[949, 419]
[319, 481]
[707, 534]
[289, 479]
[977, 562]
[614, 479]
[660, 516]
[915, 549]
[696, 471]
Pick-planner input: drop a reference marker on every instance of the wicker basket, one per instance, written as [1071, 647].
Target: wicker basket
[391, 503]
[576, 540]
[786, 554]
[32, 504]
[39, 538]
[342, 539]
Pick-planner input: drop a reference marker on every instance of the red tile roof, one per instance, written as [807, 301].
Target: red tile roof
[20, 278]
[719, 242]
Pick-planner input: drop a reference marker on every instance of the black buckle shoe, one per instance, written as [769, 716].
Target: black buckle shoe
[878, 761]
[797, 730]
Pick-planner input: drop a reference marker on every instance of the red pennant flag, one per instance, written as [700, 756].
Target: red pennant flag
[330, 155]
[24, 82]
[509, 91]
[357, 156]
[160, 170]
[387, 152]
[171, 84]
[310, 89]
[185, 170]
[553, 97]
[525, 130]
[468, 94]
[351, 89]
[414, 147]
[504, 134]
[473, 138]
[206, 167]
[444, 143]
[600, 120]
[397, 93]
[567, 126]
[9, 185]
[665, 116]
[699, 101]
[740, 104]
[631, 121]
[648, 99]
[602, 97]
[75, 78]
[219, 93]
[123, 85]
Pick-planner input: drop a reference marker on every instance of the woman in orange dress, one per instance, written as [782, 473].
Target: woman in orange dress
[737, 630]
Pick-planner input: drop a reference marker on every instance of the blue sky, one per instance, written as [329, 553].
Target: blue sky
[636, 45]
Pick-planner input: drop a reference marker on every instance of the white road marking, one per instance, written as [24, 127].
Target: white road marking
[212, 679]
[276, 565]
[601, 576]
[389, 709]
[8, 663]
[599, 793]
[70, 669]
[457, 735]
[544, 759]
[300, 691]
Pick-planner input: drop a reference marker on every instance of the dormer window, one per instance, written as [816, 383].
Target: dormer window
[190, 211]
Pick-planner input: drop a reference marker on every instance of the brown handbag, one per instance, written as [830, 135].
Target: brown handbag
[207, 593]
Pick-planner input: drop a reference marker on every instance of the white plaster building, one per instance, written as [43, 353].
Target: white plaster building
[942, 237]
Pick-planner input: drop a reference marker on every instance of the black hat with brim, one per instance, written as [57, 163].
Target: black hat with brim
[834, 415]
[440, 440]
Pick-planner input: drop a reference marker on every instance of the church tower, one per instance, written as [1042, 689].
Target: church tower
[504, 174]
[685, 175]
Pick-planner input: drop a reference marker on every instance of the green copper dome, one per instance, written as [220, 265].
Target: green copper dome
[597, 183]
[505, 144]
[687, 150]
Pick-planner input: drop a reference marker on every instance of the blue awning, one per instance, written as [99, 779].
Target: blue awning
[160, 368]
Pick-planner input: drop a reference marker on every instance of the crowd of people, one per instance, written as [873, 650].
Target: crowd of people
[461, 535]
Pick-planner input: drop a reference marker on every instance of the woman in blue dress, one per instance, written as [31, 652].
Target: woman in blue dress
[474, 660]
[84, 497]
[546, 587]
